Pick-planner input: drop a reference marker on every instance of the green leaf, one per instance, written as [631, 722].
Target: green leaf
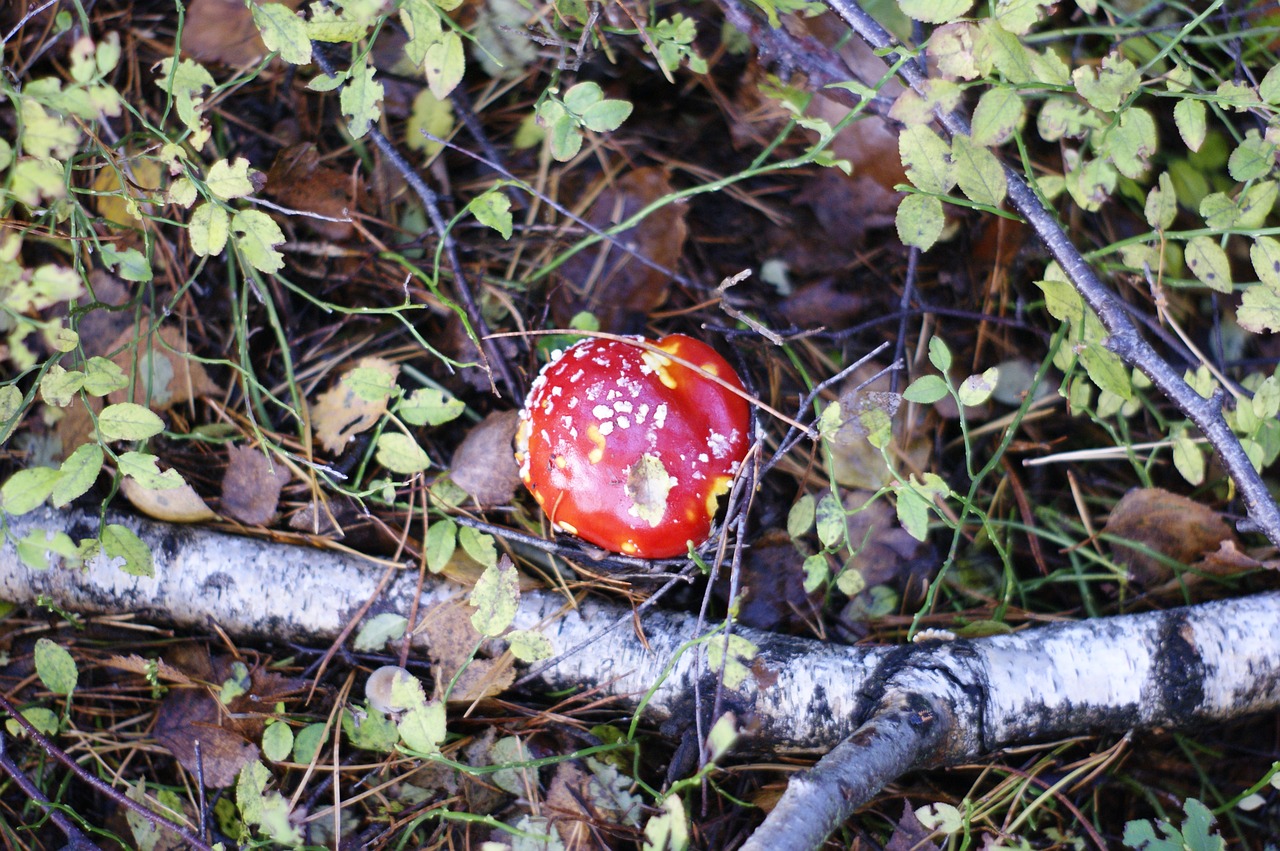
[283, 32]
[1265, 254]
[444, 64]
[360, 98]
[325, 83]
[979, 173]
[378, 630]
[130, 264]
[26, 490]
[440, 544]
[308, 741]
[1162, 203]
[977, 389]
[832, 525]
[1253, 158]
[10, 408]
[1188, 459]
[800, 517]
[370, 384]
[277, 741]
[36, 547]
[128, 421]
[939, 354]
[816, 572]
[581, 96]
[77, 474]
[230, 180]
[493, 208]
[731, 656]
[1189, 116]
[926, 390]
[606, 116]
[1019, 16]
[566, 139]
[934, 11]
[208, 230]
[1090, 182]
[496, 597]
[850, 582]
[329, 26]
[529, 646]
[423, 727]
[919, 221]
[59, 387]
[913, 513]
[1260, 309]
[142, 468]
[1110, 85]
[927, 160]
[999, 113]
[257, 234]
[1209, 263]
[119, 542]
[479, 546]
[1106, 370]
[430, 116]
[401, 454]
[669, 829]
[55, 667]
[1132, 142]
[1061, 117]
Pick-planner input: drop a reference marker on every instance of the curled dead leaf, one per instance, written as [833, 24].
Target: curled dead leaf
[1167, 523]
[176, 505]
[251, 485]
[484, 464]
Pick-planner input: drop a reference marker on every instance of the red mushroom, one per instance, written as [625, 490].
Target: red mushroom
[630, 450]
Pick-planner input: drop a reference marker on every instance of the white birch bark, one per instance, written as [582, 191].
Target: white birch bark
[895, 708]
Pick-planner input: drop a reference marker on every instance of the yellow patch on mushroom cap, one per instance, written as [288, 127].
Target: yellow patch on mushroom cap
[648, 484]
[719, 485]
[597, 452]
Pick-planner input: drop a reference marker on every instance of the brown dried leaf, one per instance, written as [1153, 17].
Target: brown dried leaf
[298, 180]
[609, 282]
[176, 505]
[251, 486]
[1168, 523]
[339, 414]
[484, 464]
[772, 595]
[1227, 560]
[909, 834]
[144, 667]
[155, 359]
[450, 639]
[223, 31]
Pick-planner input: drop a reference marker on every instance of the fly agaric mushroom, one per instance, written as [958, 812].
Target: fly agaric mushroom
[630, 450]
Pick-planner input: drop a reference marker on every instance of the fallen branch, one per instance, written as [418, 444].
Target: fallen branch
[894, 708]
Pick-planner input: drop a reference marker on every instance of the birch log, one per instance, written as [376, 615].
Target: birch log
[929, 703]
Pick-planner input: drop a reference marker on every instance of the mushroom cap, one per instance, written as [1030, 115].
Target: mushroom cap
[630, 450]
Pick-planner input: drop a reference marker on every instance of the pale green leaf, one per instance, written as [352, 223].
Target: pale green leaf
[120, 542]
[36, 178]
[1253, 158]
[1062, 117]
[927, 160]
[1189, 116]
[228, 180]
[606, 116]
[376, 631]
[496, 596]
[77, 474]
[1106, 370]
[37, 546]
[926, 390]
[332, 27]
[256, 235]
[371, 383]
[816, 572]
[433, 116]
[444, 64]
[26, 490]
[529, 646]
[731, 655]
[977, 389]
[208, 230]
[939, 354]
[429, 406]
[360, 98]
[1265, 254]
[1208, 262]
[479, 546]
[919, 221]
[581, 96]
[996, 46]
[441, 542]
[142, 468]
[325, 83]
[50, 284]
[423, 727]
[913, 513]
[1109, 85]
[566, 139]
[10, 409]
[130, 264]
[1256, 203]
[951, 49]
[1090, 182]
[1132, 142]
[1019, 16]
[934, 11]
[831, 522]
[55, 667]
[129, 421]
[800, 517]
[283, 32]
[401, 454]
[59, 386]
[493, 208]
[978, 172]
[277, 741]
[668, 830]
[999, 113]
[1162, 203]
[308, 741]
[1260, 309]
